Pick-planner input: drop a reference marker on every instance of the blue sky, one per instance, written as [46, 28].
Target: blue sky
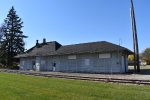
[79, 21]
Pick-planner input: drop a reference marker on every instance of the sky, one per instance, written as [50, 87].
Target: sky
[81, 21]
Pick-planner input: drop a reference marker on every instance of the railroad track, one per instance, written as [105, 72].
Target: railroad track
[112, 80]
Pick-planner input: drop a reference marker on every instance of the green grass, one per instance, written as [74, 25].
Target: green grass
[141, 67]
[145, 70]
[22, 87]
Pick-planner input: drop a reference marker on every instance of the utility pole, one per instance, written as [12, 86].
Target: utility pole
[135, 39]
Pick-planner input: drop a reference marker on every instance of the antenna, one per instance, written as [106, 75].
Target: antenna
[120, 41]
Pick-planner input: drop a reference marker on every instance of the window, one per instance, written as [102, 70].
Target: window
[87, 62]
[105, 55]
[23, 62]
[72, 57]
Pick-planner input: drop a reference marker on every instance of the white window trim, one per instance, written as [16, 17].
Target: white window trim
[105, 55]
[72, 57]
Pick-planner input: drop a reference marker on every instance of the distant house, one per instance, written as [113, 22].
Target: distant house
[93, 57]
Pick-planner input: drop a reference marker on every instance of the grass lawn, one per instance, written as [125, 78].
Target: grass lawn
[22, 87]
[141, 67]
[145, 70]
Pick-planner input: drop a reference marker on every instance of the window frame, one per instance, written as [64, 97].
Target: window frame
[104, 55]
[72, 57]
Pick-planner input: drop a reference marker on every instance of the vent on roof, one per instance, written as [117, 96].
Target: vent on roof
[37, 42]
[44, 41]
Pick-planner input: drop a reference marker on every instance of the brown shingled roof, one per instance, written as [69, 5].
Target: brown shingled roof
[54, 48]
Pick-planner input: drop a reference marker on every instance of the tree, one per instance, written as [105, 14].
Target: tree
[146, 55]
[131, 58]
[12, 42]
[2, 30]
[2, 51]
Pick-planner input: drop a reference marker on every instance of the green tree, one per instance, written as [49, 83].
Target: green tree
[12, 42]
[131, 58]
[146, 55]
[2, 51]
[2, 31]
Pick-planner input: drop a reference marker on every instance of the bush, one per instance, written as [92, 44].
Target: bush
[15, 66]
[2, 65]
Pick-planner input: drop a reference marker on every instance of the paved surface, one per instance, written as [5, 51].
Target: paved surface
[116, 76]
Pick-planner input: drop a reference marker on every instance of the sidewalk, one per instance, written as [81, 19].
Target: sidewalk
[115, 76]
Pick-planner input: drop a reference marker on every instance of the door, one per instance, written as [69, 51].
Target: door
[123, 65]
[54, 66]
[37, 64]
[33, 65]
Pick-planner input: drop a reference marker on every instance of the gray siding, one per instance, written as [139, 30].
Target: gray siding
[83, 63]
[96, 64]
[26, 63]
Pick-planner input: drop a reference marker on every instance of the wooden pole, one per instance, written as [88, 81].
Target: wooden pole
[135, 39]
